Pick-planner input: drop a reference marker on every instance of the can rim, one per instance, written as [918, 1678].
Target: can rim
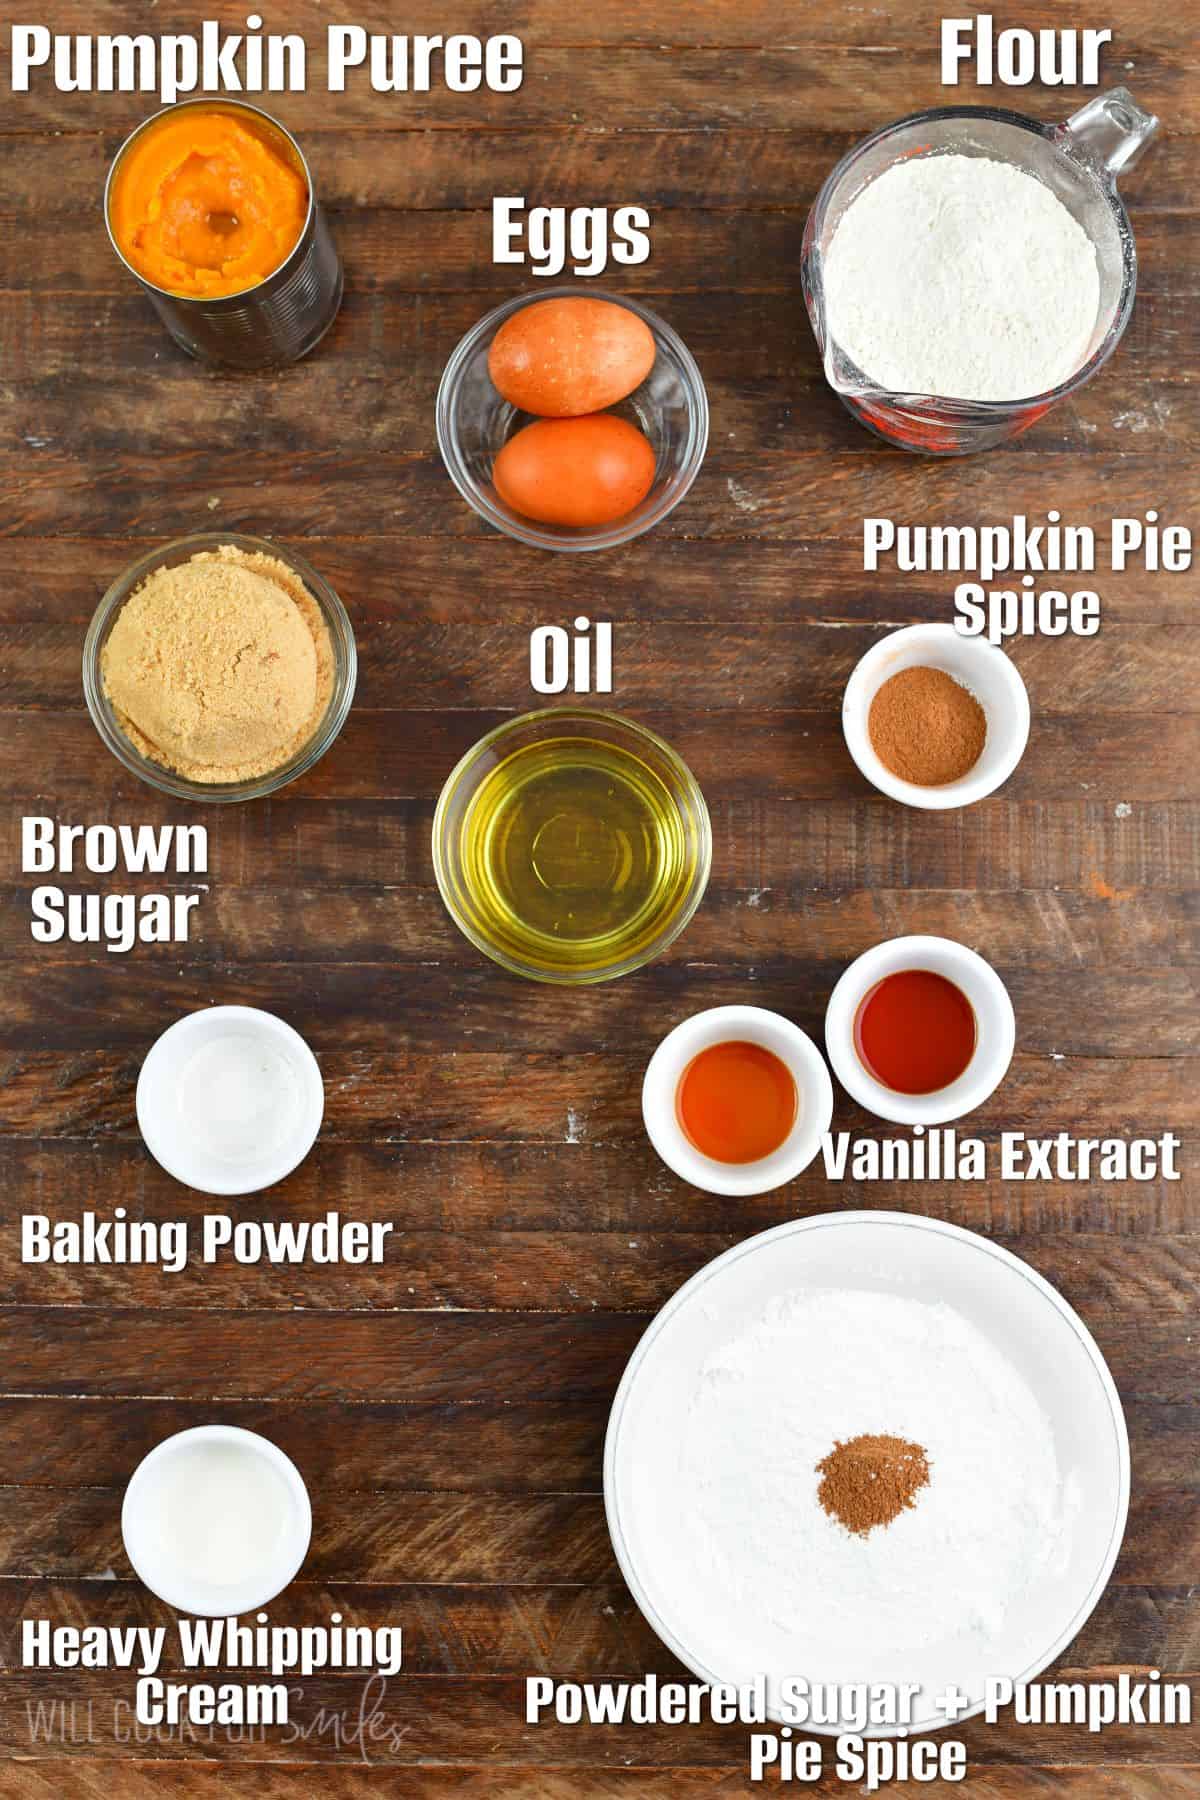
[218, 103]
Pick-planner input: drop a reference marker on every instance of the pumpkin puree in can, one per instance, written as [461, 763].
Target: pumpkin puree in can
[206, 203]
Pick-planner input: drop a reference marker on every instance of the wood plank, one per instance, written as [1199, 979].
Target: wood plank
[54, 584]
[861, 86]
[55, 765]
[401, 1536]
[615, 1188]
[455, 1537]
[454, 1629]
[380, 1008]
[1003, 845]
[517, 1098]
[371, 170]
[433, 1357]
[1090, 928]
[1137, 1295]
[449, 1629]
[447, 251]
[87, 1780]
[1124, 682]
[436, 1720]
[496, 1271]
[752, 22]
[811, 492]
[756, 352]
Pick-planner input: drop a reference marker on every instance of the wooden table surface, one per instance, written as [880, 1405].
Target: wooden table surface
[448, 1409]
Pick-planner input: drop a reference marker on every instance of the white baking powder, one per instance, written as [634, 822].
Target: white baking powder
[239, 1097]
[962, 277]
[824, 1367]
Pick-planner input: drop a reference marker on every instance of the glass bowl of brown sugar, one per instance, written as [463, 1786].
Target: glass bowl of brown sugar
[219, 667]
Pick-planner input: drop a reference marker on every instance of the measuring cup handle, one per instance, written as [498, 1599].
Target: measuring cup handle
[1112, 130]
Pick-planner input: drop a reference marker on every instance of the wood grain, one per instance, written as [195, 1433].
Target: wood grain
[84, 1779]
[454, 1629]
[55, 583]
[448, 1407]
[433, 1724]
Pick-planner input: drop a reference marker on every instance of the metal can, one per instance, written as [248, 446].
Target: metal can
[279, 319]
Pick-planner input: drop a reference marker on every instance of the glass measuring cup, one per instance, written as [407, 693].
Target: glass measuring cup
[1079, 161]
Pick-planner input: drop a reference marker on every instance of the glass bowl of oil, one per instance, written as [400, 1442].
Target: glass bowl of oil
[571, 845]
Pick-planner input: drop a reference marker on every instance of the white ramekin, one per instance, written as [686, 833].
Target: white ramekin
[737, 1024]
[993, 1013]
[982, 668]
[209, 1599]
[162, 1125]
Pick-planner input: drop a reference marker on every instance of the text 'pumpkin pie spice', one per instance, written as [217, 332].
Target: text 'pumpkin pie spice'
[869, 1480]
[220, 668]
[926, 728]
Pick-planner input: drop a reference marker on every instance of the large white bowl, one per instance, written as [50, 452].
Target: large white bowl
[892, 1253]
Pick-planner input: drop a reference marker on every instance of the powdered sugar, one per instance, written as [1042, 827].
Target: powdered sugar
[963, 277]
[826, 1366]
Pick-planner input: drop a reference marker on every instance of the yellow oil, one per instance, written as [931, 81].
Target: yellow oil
[575, 857]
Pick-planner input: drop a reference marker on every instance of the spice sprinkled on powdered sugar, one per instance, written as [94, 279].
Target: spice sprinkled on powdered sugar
[869, 1480]
[961, 277]
[976, 1513]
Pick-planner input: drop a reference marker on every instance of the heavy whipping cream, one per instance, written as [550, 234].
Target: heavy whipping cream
[816, 1369]
[962, 277]
[216, 1512]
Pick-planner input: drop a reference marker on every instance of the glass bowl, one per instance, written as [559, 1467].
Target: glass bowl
[466, 829]
[474, 421]
[1079, 161]
[157, 775]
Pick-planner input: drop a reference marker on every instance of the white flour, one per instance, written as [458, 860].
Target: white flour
[828, 1366]
[962, 277]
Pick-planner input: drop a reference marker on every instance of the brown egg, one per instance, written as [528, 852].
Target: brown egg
[562, 358]
[580, 472]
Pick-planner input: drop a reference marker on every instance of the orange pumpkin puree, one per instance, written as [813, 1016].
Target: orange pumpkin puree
[203, 204]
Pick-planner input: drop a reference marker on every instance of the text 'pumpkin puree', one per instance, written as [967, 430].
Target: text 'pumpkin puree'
[204, 205]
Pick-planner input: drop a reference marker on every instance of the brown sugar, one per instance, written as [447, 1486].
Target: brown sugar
[926, 728]
[220, 668]
[870, 1480]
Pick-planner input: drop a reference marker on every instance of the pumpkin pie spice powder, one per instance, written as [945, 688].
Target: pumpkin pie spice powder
[926, 728]
[869, 1480]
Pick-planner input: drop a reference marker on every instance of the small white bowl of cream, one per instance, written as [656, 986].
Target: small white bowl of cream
[737, 1099]
[230, 1100]
[216, 1520]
